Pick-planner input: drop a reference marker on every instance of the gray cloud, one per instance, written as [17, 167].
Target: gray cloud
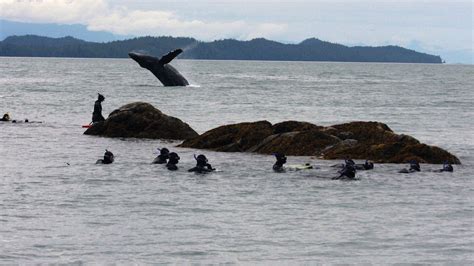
[99, 15]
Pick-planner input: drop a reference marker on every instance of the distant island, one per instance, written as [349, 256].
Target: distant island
[257, 49]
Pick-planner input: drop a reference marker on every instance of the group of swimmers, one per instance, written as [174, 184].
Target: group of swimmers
[415, 167]
[6, 118]
[348, 171]
[348, 168]
[171, 160]
[96, 114]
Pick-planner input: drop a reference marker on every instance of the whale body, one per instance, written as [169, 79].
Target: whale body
[166, 73]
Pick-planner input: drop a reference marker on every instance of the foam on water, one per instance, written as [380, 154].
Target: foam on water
[194, 86]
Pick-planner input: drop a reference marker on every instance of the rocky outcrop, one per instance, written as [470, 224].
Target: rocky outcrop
[141, 120]
[232, 138]
[356, 140]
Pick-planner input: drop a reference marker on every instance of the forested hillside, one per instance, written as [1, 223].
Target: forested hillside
[229, 49]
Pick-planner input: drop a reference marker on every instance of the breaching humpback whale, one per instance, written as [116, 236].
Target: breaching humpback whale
[167, 74]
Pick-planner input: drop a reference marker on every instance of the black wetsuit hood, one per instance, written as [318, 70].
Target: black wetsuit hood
[173, 161]
[163, 157]
[447, 167]
[202, 165]
[280, 161]
[415, 166]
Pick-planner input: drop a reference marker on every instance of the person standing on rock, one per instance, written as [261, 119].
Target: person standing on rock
[97, 114]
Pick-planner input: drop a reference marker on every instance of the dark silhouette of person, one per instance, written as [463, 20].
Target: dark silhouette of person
[5, 118]
[164, 155]
[349, 170]
[173, 161]
[202, 165]
[280, 161]
[367, 165]
[97, 114]
[414, 167]
[447, 167]
[108, 158]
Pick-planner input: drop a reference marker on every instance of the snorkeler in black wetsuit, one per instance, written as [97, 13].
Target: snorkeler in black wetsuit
[108, 158]
[414, 167]
[349, 170]
[447, 167]
[280, 161]
[202, 165]
[5, 118]
[97, 114]
[368, 165]
[164, 155]
[173, 161]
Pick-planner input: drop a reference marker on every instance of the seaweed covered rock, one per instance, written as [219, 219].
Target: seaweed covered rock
[299, 143]
[291, 126]
[232, 138]
[141, 120]
[356, 140]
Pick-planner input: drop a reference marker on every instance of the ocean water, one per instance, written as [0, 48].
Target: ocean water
[57, 206]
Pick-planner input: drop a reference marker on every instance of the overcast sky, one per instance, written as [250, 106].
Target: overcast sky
[437, 26]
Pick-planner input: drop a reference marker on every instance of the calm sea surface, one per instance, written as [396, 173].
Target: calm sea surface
[57, 206]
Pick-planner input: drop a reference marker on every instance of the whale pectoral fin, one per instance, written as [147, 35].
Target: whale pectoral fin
[170, 56]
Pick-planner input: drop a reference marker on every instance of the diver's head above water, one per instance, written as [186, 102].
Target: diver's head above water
[164, 151]
[202, 165]
[6, 117]
[281, 158]
[414, 166]
[201, 160]
[108, 157]
[447, 167]
[173, 158]
[162, 157]
[349, 162]
[348, 171]
[173, 161]
[280, 161]
[368, 165]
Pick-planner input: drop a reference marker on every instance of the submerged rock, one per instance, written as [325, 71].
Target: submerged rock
[357, 140]
[141, 120]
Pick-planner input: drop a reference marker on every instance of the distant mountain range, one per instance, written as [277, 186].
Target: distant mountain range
[10, 28]
[229, 49]
[80, 31]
